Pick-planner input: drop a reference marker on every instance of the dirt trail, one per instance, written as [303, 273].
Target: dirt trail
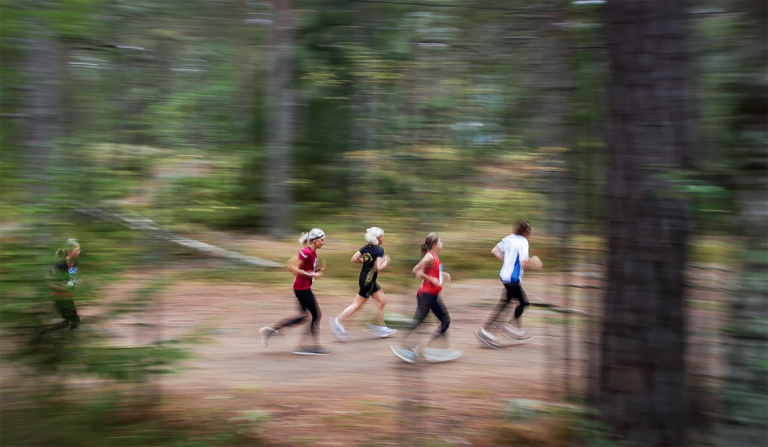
[356, 395]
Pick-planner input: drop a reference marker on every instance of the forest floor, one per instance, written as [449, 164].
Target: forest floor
[361, 394]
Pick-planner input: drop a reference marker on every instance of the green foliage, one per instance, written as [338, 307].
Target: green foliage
[26, 307]
[125, 418]
[532, 422]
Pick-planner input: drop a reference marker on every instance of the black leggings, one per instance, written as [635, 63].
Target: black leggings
[307, 303]
[514, 291]
[68, 311]
[426, 303]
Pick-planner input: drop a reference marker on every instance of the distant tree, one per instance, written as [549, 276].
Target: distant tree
[745, 391]
[280, 118]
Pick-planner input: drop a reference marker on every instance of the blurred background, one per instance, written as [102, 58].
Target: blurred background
[186, 145]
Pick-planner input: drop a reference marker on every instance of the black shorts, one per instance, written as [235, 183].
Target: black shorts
[366, 290]
[515, 291]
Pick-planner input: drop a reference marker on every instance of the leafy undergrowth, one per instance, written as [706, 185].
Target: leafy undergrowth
[60, 417]
[535, 423]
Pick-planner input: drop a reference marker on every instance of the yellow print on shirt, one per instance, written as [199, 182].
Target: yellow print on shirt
[366, 259]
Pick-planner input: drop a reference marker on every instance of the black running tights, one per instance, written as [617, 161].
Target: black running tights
[513, 291]
[307, 303]
[427, 303]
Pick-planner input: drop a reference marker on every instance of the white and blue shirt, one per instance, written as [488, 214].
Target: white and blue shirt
[515, 249]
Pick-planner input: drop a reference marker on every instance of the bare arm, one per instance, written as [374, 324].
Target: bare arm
[425, 262]
[382, 262]
[497, 252]
[293, 267]
[357, 258]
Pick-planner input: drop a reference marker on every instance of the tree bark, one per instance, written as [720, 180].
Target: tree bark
[745, 391]
[642, 387]
[44, 101]
[280, 119]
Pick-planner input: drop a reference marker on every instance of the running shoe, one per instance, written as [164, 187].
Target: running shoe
[488, 335]
[337, 330]
[380, 331]
[512, 332]
[267, 332]
[485, 340]
[405, 354]
[387, 332]
[312, 351]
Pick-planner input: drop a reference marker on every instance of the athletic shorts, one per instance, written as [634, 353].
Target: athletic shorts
[366, 290]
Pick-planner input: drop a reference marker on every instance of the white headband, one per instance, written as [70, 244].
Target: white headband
[315, 233]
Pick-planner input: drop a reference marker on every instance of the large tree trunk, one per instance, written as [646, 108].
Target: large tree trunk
[364, 107]
[643, 371]
[280, 119]
[746, 388]
[44, 103]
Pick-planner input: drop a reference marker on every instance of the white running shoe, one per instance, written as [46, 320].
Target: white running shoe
[337, 330]
[488, 335]
[386, 332]
[514, 332]
[380, 331]
[267, 332]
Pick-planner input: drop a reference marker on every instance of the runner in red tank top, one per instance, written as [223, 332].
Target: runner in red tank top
[430, 270]
[304, 266]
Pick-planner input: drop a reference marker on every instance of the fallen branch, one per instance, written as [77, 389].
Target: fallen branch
[581, 286]
[138, 222]
[555, 308]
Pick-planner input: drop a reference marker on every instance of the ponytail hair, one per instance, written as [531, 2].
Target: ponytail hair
[429, 242]
[523, 226]
[373, 234]
[66, 247]
[307, 238]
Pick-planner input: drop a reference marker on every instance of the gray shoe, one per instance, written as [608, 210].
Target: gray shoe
[405, 354]
[312, 351]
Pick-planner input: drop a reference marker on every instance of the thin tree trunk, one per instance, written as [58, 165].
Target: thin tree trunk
[364, 106]
[642, 390]
[280, 119]
[746, 389]
[44, 101]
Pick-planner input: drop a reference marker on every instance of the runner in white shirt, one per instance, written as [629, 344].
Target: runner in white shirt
[513, 252]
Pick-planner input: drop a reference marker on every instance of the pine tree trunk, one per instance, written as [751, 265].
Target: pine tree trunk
[642, 388]
[745, 391]
[44, 101]
[280, 119]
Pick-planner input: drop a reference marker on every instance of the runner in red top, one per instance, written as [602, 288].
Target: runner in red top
[304, 265]
[430, 270]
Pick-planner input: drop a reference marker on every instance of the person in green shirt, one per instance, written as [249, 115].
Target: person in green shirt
[62, 278]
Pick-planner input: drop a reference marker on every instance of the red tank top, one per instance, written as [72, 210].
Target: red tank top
[435, 270]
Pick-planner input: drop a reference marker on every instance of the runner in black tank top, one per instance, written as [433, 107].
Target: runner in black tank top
[374, 260]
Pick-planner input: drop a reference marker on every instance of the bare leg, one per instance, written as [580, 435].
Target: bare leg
[381, 302]
[351, 309]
